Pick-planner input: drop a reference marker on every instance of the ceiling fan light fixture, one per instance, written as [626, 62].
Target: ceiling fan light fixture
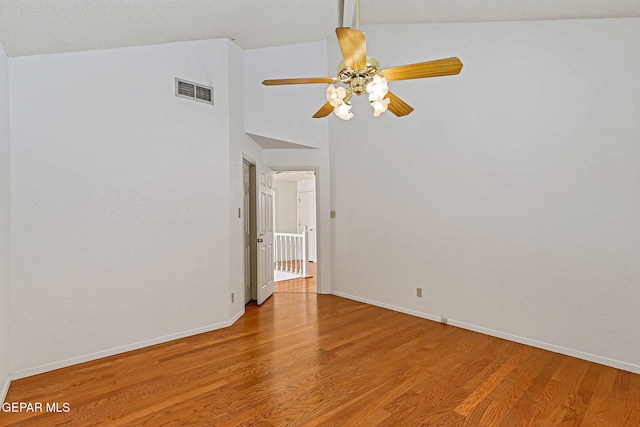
[344, 111]
[362, 74]
[380, 106]
[336, 96]
[377, 88]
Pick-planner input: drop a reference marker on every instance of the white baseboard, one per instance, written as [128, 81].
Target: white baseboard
[551, 347]
[388, 306]
[5, 389]
[235, 318]
[117, 350]
[527, 341]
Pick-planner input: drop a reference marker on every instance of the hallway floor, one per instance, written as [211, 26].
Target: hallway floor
[300, 285]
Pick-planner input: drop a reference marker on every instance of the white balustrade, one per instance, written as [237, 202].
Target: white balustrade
[291, 252]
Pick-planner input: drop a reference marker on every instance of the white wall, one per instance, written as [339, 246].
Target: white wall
[5, 223]
[285, 112]
[286, 206]
[121, 201]
[241, 147]
[511, 194]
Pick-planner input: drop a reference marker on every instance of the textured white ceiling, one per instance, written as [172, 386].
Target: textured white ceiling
[32, 27]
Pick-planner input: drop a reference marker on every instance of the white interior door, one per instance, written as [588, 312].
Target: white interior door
[265, 235]
[307, 218]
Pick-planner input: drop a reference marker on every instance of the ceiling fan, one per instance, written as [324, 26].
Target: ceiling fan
[361, 74]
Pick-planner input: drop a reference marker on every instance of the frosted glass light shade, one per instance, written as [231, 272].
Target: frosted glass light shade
[336, 96]
[343, 111]
[377, 88]
[380, 106]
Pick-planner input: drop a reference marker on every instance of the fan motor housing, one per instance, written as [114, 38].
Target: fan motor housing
[358, 79]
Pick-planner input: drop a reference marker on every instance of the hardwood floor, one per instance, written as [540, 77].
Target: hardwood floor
[319, 360]
[307, 285]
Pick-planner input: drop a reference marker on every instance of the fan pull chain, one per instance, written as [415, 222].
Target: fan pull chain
[358, 15]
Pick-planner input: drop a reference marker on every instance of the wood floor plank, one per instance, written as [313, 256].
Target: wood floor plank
[480, 393]
[595, 411]
[501, 404]
[544, 368]
[570, 379]
[303, 359]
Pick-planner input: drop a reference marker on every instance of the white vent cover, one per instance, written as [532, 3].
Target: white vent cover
[195, 91]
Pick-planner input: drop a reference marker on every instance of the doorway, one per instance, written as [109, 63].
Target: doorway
[295, 231]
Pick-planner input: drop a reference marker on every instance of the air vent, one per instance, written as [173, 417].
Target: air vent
[195, 91]
[203, 93]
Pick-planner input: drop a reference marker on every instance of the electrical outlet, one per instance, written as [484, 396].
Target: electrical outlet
[233, 297]
[419, 292]
[332, 214]
[444, 320]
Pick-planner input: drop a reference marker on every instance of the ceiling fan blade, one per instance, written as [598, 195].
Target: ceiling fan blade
[437, 68]
[324, 111]
[397, 106]
[354, 47]
[303, 80]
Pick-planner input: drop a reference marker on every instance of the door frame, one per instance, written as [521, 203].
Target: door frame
[253, 225]
[319, 230]
[248, 231]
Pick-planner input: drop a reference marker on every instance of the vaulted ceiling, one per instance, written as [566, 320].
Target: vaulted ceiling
[53, 26]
